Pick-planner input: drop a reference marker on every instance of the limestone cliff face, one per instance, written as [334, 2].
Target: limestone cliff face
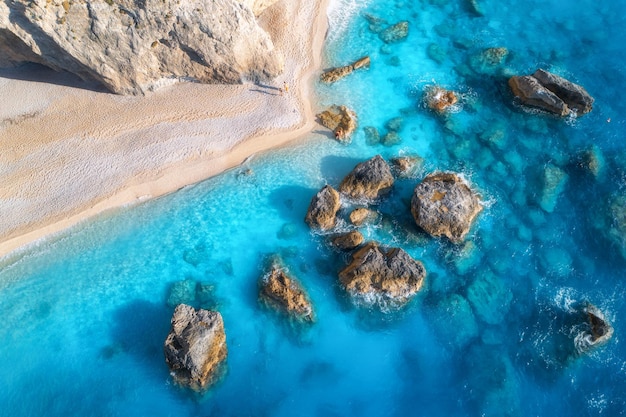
[130, 46]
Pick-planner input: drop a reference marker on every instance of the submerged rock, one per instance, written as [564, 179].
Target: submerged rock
[406, 166]
[382, 277]
[370, 179]
[322, 212]
[283, 293]
[616, 229]
[551, 93]
[593, 161]
[489, 60]
[195, 349]
[130, 46]
[440, 99]
[554, 180]
[182, 292]
[341, 120]
[336, 74]
[453, 321]
[372, 136]
[348, 241]
[395, 33]
[443, 204]
[489, 297]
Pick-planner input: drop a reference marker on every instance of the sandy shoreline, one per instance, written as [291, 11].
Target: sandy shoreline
[72, 153]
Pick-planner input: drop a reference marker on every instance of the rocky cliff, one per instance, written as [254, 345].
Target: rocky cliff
[131, 46]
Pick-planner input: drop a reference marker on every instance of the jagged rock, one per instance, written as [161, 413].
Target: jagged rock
[443, 204]
[574, 95]
[348, 241]
[361, 215]
[283, 293]
[372, 137]
[130, 46]
[341, 120]
[195, 348]
[395, 33]
[369, 179]
[551, 93]
[336, 74]
[383, 277]
[440, 99]
[406, 166]
[322, 212]
[596, 331]
[554, 180]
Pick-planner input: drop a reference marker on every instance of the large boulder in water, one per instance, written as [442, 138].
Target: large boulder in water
[551, 93]
[347, 241]
[368, 180]
[322, 212]
[335, 74]
[384, 277]
[341, 120]
[443, 204]
[283, 293]
[133, 46]
[195, 348]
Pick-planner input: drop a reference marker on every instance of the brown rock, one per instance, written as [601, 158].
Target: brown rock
[347, 241]
[322, 212]
[531, 93]
[341, 120]
[283, 293]
[195, 348]
[336, 74]
[574, 95]
[382, 277]
[360, 215]
[406, 166]
[369, 179]
[444, 205]
[440, 99]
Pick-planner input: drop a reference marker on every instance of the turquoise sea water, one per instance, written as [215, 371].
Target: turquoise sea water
[84, 317]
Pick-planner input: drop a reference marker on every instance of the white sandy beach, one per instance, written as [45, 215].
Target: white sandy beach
[70, 153]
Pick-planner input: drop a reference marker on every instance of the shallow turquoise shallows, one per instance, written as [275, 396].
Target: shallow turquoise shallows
[84, 317]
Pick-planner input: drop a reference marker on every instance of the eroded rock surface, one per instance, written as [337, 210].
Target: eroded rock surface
[283, 293]
[443, 204]
[341, 120]
[336, 74]
[382, 277]
[322, 212]
[347, 241]
[439, 99]
[368, 180]
[131, 46]
[195, 349]
[361, 215]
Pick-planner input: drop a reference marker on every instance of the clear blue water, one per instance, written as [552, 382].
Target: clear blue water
[84, 316]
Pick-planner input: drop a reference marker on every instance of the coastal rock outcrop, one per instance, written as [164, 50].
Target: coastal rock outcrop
[322, 212]
[439, 99]
[369, 180]
[195, 349]
[395, 33]
[340, 119]
[599, 331]
[551, 93]
[132, 46]
[347, 241]
[383, 277]
[336, 74]
[283, 293]
[443, 204]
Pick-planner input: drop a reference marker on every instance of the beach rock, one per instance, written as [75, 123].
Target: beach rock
[383, 277]
[322, 212]
[341, 120]
[574, 95]
[395, 33]
[372, 137]
[532, 93]
[195, 348]
[443, 204]
[406, 166]
[131, 47]
[361, 215]
[370, 179]
[553, 181]
[551, 93]
[336, 74]
[348, 241]
[283, 293]
[440, 99]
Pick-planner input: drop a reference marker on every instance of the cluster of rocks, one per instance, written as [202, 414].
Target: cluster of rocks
[439, 99]
[551, 93]
[341, 120]
[129, 46]
[335, 74]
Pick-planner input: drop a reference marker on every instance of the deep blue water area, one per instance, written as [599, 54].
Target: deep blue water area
[492, 332]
